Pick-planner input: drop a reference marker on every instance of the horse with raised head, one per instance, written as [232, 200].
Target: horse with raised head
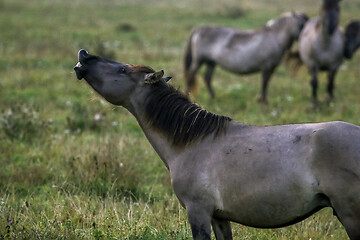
[222, 170]
[321, 45]
[240, 51]
[352, 38]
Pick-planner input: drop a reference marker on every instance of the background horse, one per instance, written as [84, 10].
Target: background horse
[241, 51]
[321, 45]
[352, 38]
[222, 170]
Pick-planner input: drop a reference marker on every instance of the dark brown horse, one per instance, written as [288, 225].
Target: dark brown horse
[352, 38]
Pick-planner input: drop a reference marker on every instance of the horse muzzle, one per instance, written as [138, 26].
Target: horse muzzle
[79, 67]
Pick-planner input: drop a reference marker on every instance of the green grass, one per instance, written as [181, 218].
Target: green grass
[66, 174]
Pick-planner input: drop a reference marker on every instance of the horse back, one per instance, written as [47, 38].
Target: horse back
[230, 48]
[210, 37]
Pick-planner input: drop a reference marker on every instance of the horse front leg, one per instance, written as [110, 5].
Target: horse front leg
[314, 82]
[331, 83]
[222, 229]
[210, 67]
[200, 222]
[266, 75]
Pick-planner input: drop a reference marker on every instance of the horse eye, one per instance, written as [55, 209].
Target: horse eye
[123, 70]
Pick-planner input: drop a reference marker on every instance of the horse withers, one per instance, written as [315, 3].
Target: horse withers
[240, 51]
[352, 38]
[321, 45]
[222, 170]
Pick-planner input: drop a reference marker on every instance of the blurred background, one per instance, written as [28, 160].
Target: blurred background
[75, 167]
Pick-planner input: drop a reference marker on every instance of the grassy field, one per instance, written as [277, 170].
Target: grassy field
[76, 167]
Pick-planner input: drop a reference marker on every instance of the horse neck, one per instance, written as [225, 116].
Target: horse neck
[285, 37]
[323, 34]
[324, 22]
[157, 139]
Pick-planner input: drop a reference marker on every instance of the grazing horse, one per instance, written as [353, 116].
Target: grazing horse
[239, 51]
[352, 38]
[321, 45]
[222, 170]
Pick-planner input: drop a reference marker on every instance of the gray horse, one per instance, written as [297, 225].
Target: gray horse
[222, 170]
[241, 51]
[352, 38]
[321, 45]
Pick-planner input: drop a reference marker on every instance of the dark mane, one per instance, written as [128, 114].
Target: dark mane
[278, 23]
[330, 4]
[140, 68]
[183, 121]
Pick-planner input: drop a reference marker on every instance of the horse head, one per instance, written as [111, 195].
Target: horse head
[301, 18]
[352, 38]
[291, 22]
[113, 80]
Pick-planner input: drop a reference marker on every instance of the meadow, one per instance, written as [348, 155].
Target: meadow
[75, 167]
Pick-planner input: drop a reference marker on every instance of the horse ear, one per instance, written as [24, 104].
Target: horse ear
[152, 78]
[167, 79]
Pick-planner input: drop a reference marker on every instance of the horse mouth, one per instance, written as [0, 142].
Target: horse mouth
[79, 67]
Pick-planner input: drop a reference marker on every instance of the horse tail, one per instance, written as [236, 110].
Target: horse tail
[293, 61]
[190, 81]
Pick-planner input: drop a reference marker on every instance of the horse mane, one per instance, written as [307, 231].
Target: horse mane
[168, 110]
[278, 22]
[140, 68]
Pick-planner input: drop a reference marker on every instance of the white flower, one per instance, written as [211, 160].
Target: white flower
[274, 113]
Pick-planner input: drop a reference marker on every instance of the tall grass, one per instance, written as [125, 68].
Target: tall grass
[75, 167]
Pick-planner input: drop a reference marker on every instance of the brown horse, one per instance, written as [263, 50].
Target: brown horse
[352, 38]
[239, 51]
[321, 45]
[222, 170]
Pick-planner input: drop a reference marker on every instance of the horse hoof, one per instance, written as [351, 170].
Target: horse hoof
[330, 99]
[262, 100]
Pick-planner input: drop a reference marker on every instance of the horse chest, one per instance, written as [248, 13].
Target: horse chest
[328, 57]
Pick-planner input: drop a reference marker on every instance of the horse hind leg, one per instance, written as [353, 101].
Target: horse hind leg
[191, 76]
[210, 67]
[331, 85]
[349, 215]
[222, 229]
[346, 205]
